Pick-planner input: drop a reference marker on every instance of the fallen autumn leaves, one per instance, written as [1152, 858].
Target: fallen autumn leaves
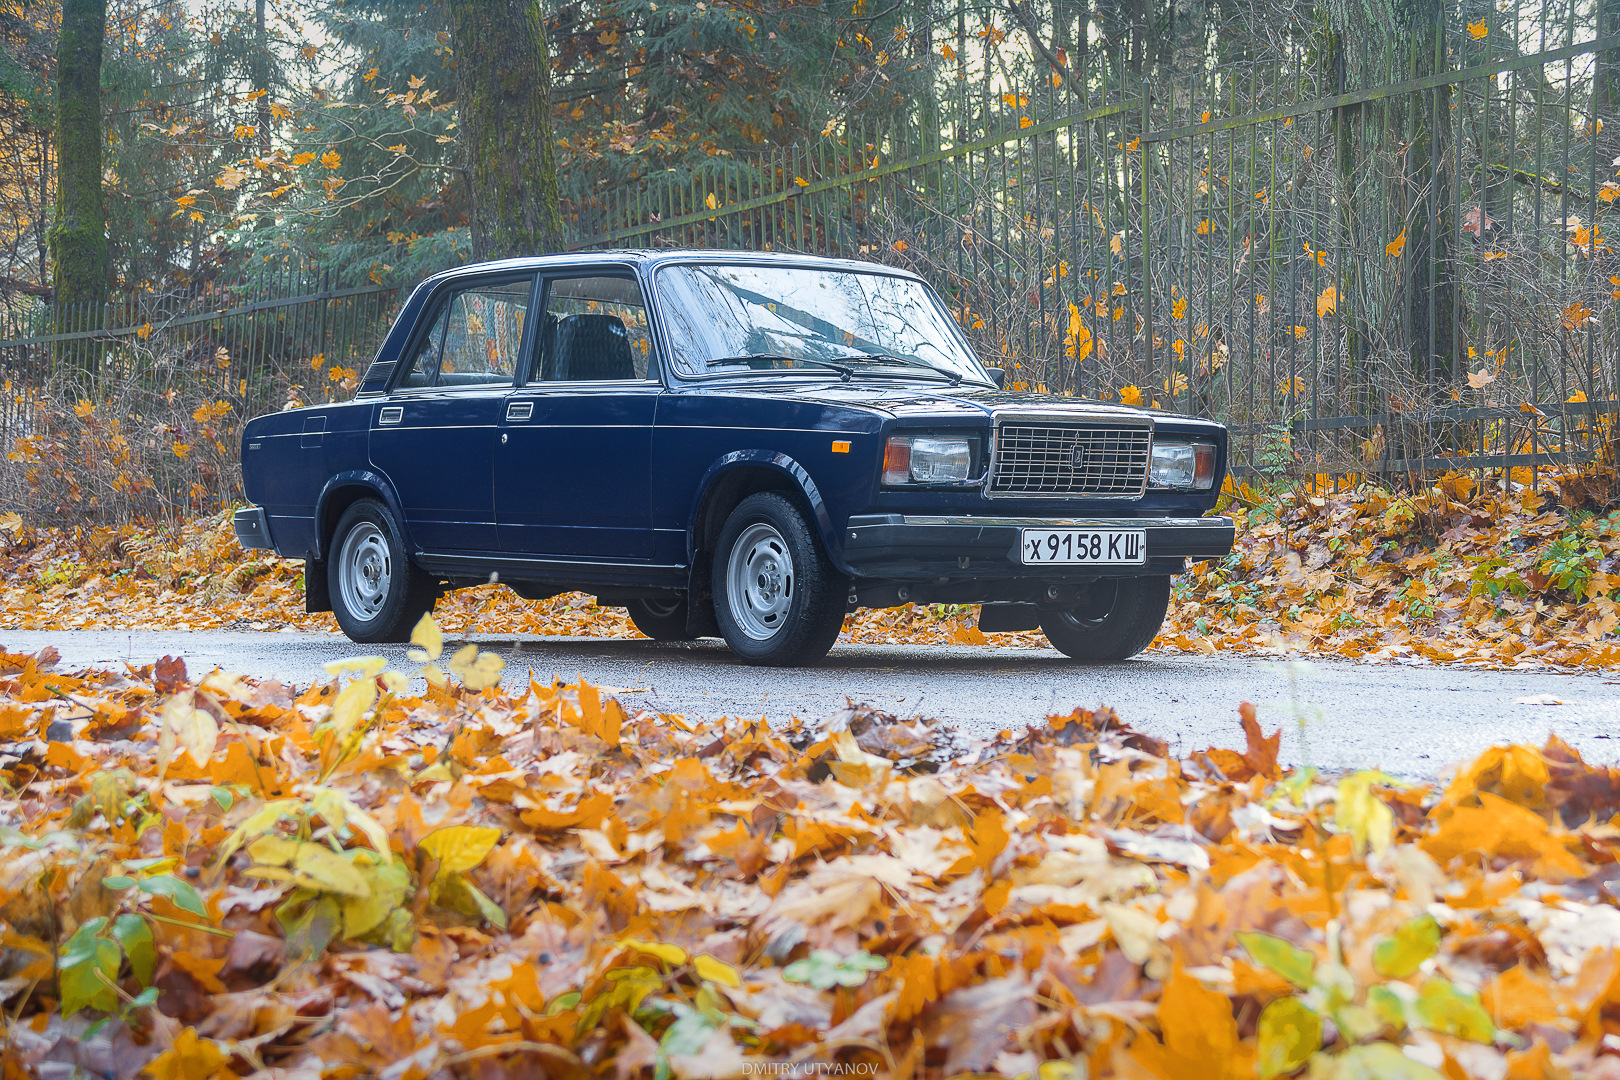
[358, 880]
[1458, 572]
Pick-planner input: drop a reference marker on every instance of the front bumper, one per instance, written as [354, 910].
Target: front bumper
[911, 547]
[252, 528]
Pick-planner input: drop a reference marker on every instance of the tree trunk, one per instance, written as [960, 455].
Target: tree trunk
[80, 266]
[503, 77]
[1428, 171]
[261, 77]
[1396, 177]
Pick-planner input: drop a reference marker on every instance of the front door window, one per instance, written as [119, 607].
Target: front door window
[596, 330]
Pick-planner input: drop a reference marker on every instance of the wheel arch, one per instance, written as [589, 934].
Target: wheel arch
[742, 473]
[343, 491]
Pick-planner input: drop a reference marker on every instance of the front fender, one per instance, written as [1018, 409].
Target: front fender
[376, 483]
[784, 465]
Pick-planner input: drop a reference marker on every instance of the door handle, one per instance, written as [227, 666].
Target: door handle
[519, 410]
[391, 414]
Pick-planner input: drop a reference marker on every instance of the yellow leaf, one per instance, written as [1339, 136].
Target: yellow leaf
[304, 158]
[1178, 310]
[312, 865]
[459, 848]
[321, 868]
[669, 954]
[352, 702]
[331, 160]
[1130, 395]
[388, 884]
[1116, 243]
[1480, 379]
[1024, 122]
[711, 202]
[476, 670]
[427, 639]
[1363, 814]
[1394, 248]
[801, 181]
[1326, 303]
[189, 1058]
[366, 667]
[192, 729]
[716, 971]
[1478, 30]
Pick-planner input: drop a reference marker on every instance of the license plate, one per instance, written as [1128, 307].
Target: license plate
[1089, 547]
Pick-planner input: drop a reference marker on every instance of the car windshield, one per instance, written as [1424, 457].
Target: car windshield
[723, 318]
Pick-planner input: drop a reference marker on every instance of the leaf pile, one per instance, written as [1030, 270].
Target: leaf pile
[1458, 572]
[215, 877]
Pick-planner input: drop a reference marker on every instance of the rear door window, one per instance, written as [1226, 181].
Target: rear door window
[476, 338]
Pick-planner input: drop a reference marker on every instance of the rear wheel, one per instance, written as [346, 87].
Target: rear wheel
[1118, 618]
[777, 598]
[661, 620]
[377, 595]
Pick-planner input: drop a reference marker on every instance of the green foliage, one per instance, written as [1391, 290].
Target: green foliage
[824, 969]
[1400, 955]
[1289, 1033]
[1570, 561]
[87, 971]
[1293, 963]
[89, 962]
[1494, 576]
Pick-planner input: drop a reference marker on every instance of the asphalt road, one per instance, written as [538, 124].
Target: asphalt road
[1411, 720]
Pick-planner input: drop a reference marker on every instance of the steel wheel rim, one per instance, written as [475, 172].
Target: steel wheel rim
[365, 571]
[1080, 622]
[760, 582]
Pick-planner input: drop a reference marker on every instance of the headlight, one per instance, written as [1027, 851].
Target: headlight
[917, 459]
[1186, 465]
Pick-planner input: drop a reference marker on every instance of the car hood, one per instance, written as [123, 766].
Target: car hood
[915, 402]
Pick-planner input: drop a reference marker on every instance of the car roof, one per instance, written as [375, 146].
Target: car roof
[650, 258]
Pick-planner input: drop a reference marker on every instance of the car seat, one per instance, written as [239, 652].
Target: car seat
[588, 347]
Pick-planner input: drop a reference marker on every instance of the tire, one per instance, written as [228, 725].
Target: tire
[778, 600]
[661, 620]
[1122, 616]
[377, 595]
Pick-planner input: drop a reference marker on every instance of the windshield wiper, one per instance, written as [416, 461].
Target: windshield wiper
[908, 361]
[844, 370]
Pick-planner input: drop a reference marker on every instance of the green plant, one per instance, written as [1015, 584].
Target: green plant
[1570, 561]
[1368, 1019]
[1494, 576]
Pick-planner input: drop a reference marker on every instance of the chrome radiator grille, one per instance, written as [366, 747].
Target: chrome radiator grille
[1070, 460]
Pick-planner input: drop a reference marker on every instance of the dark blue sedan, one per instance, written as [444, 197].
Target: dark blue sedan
[738, 444]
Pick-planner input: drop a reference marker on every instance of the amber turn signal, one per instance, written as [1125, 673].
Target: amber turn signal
[897, 461]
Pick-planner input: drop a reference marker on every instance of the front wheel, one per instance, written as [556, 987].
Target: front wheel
[661, 620]
[777, 598]
[377, 595]
[1118, 618]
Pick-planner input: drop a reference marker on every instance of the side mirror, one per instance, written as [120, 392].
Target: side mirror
[998, 376]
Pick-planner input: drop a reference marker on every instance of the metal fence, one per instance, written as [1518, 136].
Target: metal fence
[1414, 275]
[117, 412]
